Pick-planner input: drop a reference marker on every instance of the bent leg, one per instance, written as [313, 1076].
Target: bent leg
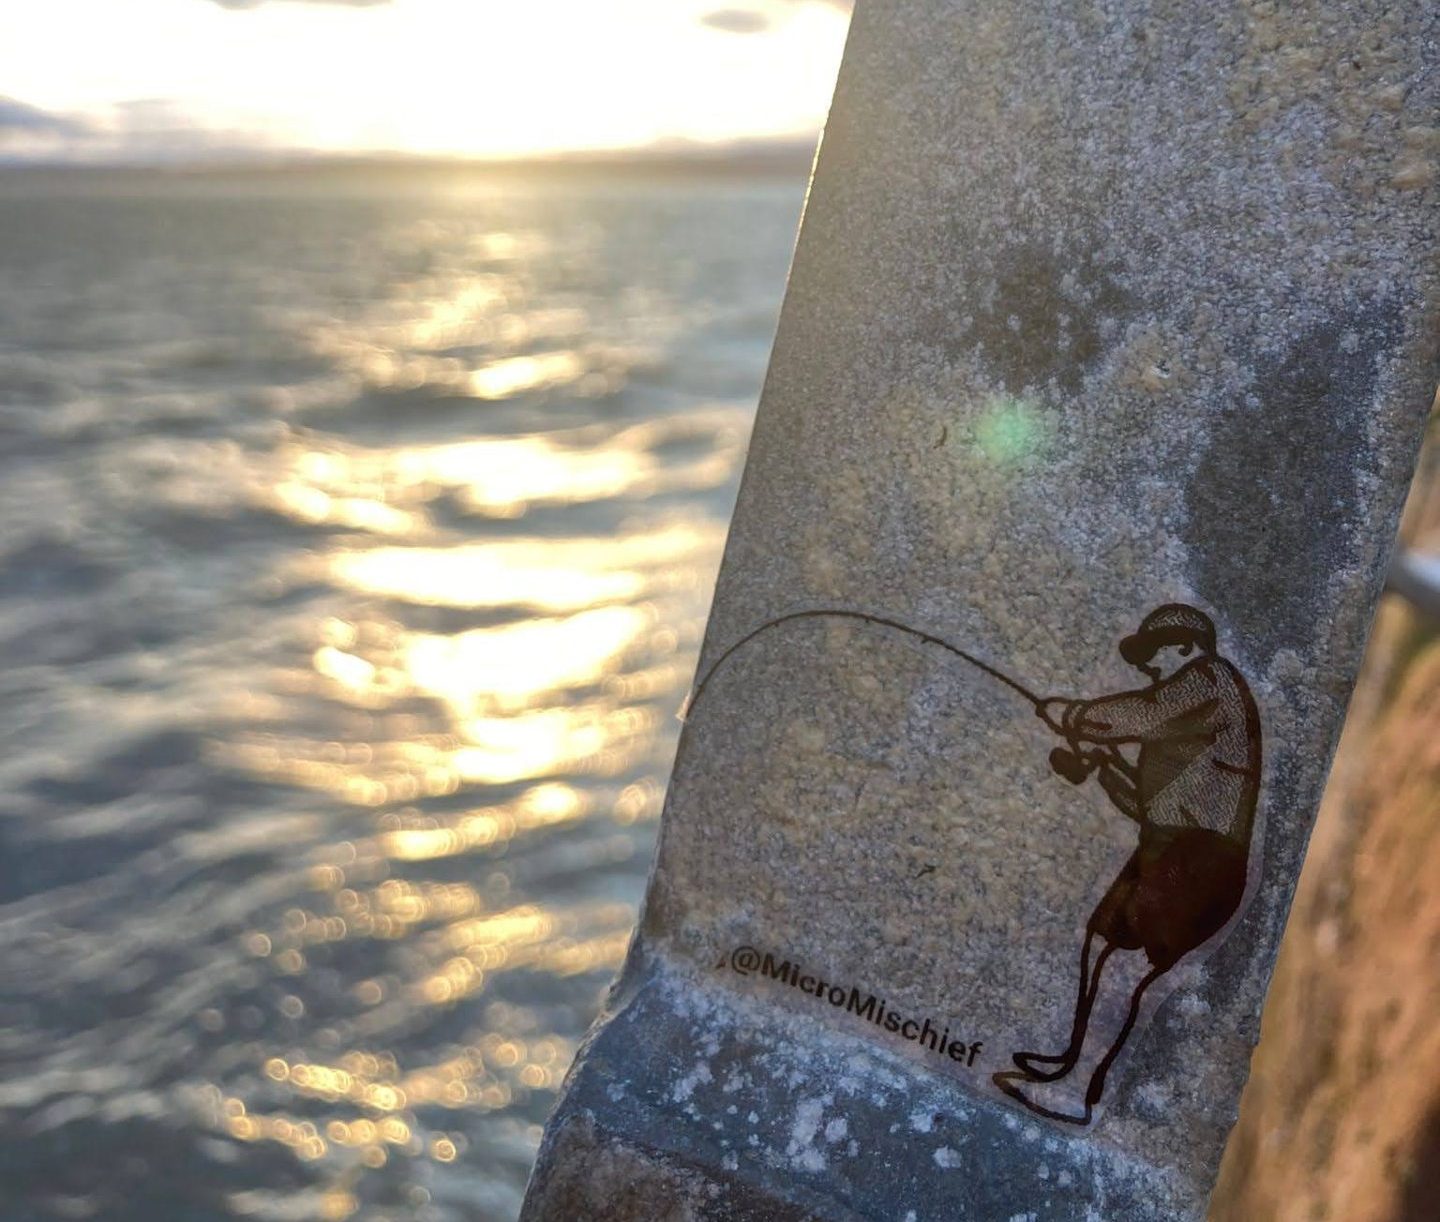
[1045, 1067]
[1114, 1008]
[1096, 1089]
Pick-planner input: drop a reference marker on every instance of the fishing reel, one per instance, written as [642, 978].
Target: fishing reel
[1074, 764]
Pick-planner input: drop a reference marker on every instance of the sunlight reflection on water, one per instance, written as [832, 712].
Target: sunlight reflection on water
[356, 552]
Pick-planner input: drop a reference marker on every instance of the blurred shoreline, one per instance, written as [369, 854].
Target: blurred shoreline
[785, 160]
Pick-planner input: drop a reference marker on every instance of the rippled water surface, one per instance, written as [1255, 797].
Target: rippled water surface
[356, 538]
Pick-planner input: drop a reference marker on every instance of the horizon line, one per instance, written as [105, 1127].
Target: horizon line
[780, 154]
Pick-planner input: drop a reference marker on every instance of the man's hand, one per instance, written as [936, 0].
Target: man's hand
[1052, 713]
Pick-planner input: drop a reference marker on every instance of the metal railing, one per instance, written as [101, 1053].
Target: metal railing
[1415, 576]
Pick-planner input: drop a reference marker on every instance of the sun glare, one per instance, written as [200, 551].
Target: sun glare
[440, 77]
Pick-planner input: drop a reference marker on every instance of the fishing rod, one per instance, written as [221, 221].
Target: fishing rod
[1075, 765]
[880, 621]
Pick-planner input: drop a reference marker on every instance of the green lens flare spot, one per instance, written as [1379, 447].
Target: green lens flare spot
[1009, 430]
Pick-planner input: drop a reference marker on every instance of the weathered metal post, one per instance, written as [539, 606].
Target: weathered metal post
[1096, 393]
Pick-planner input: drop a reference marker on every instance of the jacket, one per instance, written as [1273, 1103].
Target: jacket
[1199, 737]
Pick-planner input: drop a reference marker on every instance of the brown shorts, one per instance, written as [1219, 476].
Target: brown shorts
[1177, 890]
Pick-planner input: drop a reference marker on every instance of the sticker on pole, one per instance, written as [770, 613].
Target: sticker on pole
[923, 845]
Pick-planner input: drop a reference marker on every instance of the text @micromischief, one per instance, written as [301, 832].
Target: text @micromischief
[747, 961]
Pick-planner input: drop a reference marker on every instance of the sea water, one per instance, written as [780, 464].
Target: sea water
[357, 531]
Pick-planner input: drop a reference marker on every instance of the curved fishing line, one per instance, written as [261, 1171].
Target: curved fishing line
[879, 621]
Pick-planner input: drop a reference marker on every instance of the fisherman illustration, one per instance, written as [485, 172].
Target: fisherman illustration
[1192, 789]
[1180, 757]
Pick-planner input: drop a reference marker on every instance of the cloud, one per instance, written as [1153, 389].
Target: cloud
[737, 20]
[17, 117]
[758, 19]
[165, 130]
[141, 131]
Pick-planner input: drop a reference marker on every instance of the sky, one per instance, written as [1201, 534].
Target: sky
[147, 80]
